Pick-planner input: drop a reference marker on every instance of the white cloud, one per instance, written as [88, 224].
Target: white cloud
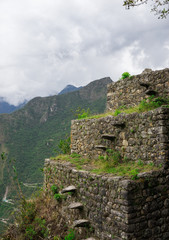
[46, 45]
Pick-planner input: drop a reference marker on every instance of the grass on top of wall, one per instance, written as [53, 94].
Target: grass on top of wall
[112, 163]
[145, 105]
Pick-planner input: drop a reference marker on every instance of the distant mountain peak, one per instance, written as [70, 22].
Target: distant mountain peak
[5, 107]
[69, 88]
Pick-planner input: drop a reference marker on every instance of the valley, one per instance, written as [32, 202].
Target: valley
[32, 134]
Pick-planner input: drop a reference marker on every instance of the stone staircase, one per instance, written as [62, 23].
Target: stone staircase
[78, 223]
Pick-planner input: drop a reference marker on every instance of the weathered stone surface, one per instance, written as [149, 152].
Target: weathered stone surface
[75, 205]
[81, 223]
[118, 207]
[115, 206]
[69, 189]
[131, 91]
[144, 136]
[89, 239]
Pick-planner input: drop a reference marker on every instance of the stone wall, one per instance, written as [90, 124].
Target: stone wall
[131, 91]
[136, 136]
[117, 207]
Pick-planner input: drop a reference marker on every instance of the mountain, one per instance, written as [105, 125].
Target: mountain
[8, 108]
[69, 88]
[32, 133]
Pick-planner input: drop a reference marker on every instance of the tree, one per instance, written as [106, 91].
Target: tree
[160, 7]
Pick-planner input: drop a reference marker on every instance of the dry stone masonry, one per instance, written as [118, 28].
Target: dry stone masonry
[130, 91]
[136, 136]
[117, 207]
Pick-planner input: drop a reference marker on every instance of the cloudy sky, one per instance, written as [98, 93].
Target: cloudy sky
[47, 44]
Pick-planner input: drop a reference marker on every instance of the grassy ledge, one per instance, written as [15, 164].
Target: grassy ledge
[109, 164]
[145, 105]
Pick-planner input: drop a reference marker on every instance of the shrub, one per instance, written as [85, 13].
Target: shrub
[64, 145]
[125, 75]
[36, 229]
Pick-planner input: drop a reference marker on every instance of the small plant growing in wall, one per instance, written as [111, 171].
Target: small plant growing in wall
[71, 235]
[58, 197]
[55, 191]
[117, 112]
[81, 113]
[125, 75]
[132, 130]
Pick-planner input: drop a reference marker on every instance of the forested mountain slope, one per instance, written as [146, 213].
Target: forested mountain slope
[32, 133]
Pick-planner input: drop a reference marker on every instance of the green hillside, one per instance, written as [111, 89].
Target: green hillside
[32, 133]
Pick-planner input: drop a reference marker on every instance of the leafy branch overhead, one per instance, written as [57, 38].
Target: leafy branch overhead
[159, 7]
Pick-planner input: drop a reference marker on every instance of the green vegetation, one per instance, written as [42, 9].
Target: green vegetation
[74, 158]
[81, 113]
[145, 105]
[117, 112]
[33, 219]
[30, 223]
[64, 145]
[31, 226]
[5, 210]
[56, 194]
[111, 163]
[54, 189]
[125, 75]
[71, 235]
[33, 133]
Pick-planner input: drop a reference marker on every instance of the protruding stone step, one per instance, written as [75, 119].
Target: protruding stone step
[144, 84]
[81, 223]
[108, 137]
[151, 92]
[101, 147]
[90, 238]
[69, 189]
[75, 205]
